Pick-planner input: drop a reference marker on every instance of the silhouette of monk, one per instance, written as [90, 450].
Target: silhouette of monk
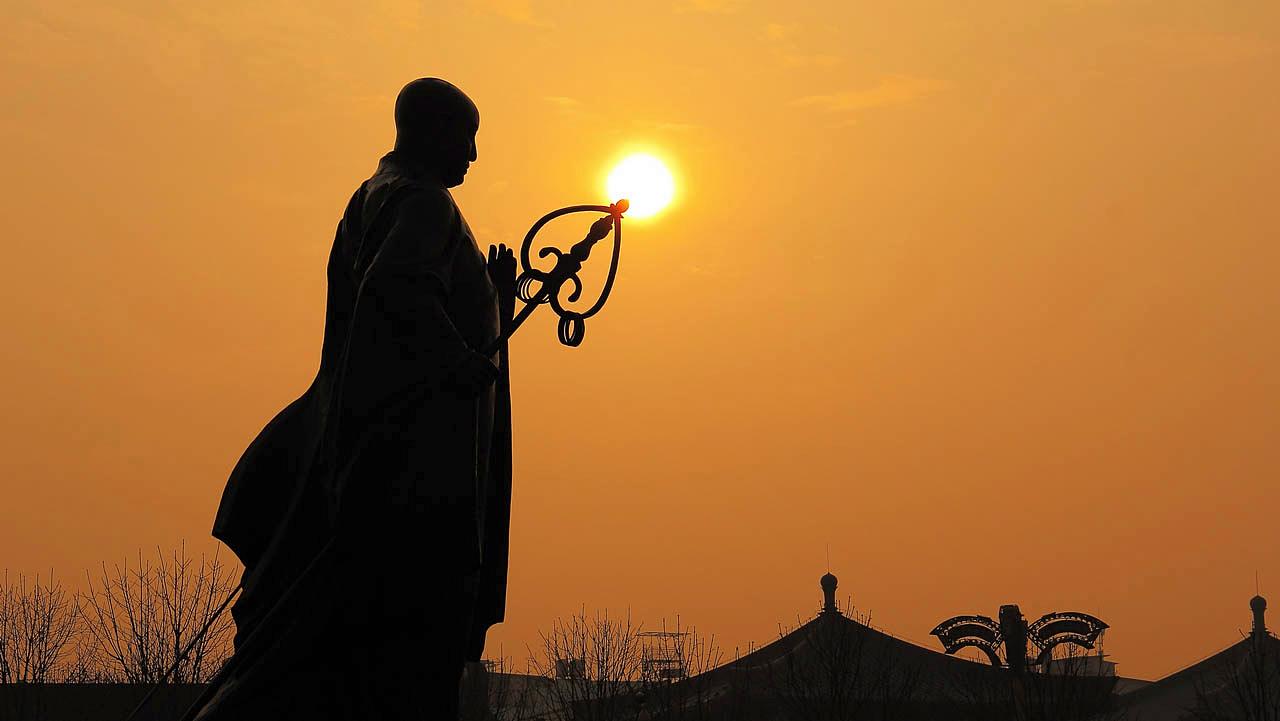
[372, 513]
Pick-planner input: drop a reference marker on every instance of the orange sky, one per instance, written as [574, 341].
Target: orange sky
[930, 266]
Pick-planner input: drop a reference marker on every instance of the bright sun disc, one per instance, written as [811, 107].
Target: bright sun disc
[643, 180]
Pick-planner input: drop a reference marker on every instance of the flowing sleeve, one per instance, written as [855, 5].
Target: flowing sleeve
[401, 333]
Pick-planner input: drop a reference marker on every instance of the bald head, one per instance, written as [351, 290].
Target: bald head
[436, 124]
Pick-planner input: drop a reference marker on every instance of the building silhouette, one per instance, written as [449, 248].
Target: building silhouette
[834, 660]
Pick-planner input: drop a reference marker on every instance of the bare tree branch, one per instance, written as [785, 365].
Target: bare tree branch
[139, 620]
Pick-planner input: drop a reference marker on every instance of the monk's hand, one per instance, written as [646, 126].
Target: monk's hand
[502, 272]
[475, 373]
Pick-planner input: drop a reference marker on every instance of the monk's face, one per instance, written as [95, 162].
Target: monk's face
[456, 148]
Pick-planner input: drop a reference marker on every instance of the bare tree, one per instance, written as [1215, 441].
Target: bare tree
[1243, 689]
[37, 623]
[738, 700]
[493, 691]
[591, 669]
[673, 673]
[842, 670]
[84, 661]
[139, 621]
[1073, 688]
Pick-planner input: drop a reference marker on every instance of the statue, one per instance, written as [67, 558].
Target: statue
[372, 513]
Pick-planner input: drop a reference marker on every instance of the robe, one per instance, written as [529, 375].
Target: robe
[366, 504]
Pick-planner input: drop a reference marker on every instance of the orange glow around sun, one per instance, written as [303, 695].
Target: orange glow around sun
[645, 181]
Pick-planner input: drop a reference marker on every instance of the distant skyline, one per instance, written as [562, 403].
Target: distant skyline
[980, 297]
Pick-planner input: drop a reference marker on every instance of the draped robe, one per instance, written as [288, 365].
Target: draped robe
[364, 504]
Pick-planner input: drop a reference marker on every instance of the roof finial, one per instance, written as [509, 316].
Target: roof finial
[828, 583]
[1258, 605]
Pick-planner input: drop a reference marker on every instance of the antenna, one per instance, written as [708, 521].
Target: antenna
[829, 558]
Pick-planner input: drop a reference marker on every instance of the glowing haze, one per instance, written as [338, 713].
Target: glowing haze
[644, 181]
[980, 295]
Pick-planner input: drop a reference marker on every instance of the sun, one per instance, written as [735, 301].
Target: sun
[645, 181]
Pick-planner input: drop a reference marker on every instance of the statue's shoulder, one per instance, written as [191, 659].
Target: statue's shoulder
[397, 170]
[406, 195]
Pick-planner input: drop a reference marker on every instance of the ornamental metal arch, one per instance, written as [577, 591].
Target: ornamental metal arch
[1046, 633]
[980, 632]
[1054, 629]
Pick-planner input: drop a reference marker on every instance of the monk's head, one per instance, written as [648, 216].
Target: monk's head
[436, 125]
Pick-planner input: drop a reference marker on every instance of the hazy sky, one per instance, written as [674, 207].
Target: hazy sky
[980, 295]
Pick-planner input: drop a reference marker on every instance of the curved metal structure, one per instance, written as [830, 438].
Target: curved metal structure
[535, 287]
[1047, 632]
[978, 632]
[1054, 629]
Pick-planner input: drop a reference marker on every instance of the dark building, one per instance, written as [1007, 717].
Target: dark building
[830, 667]
[1240, 681]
